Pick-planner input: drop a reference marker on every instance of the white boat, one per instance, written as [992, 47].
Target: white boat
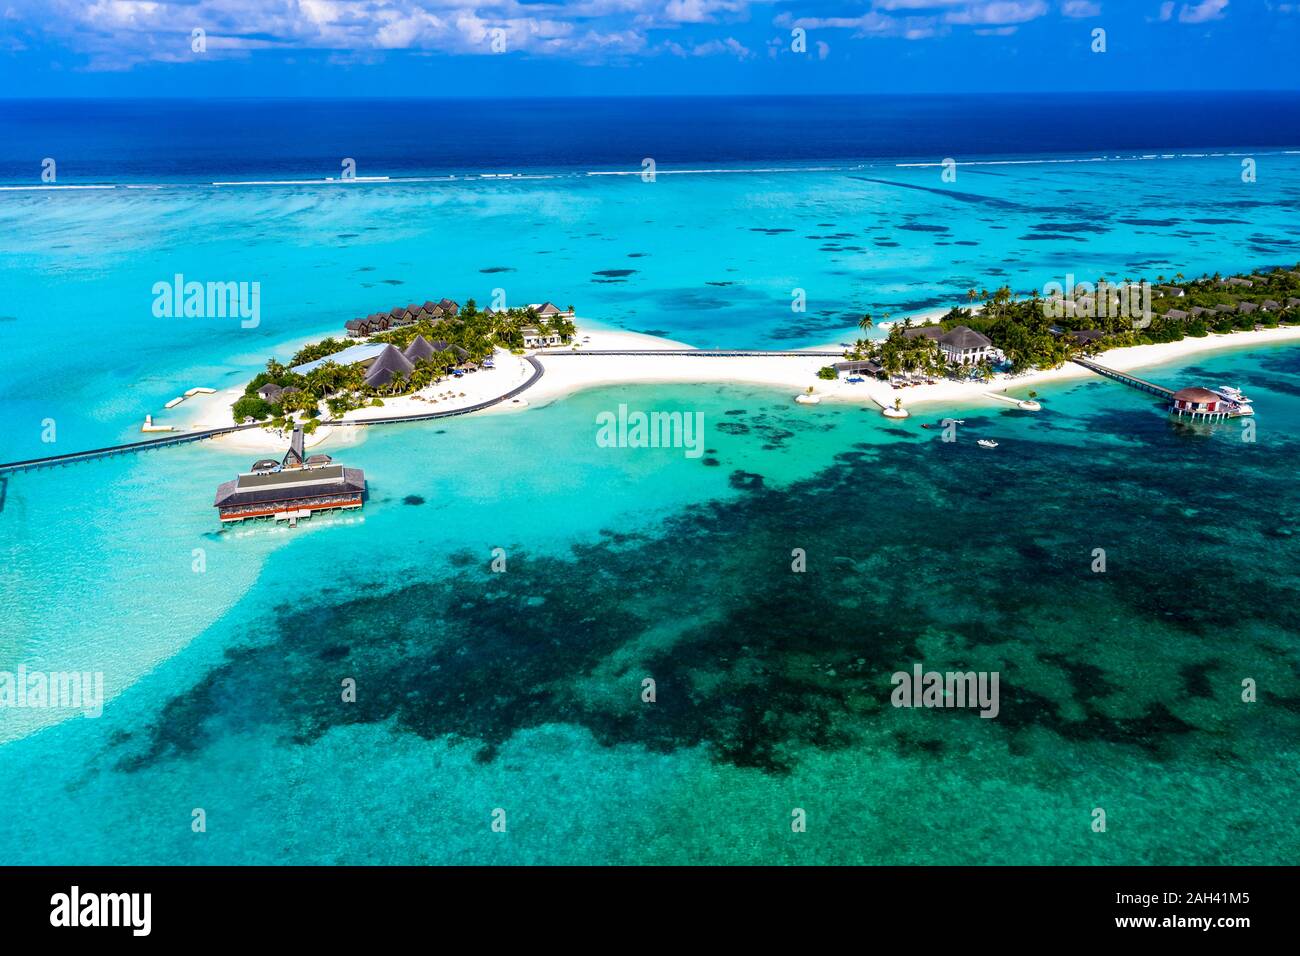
[1238, 403]
[1231, 394]
[808, 399]
[987, 443]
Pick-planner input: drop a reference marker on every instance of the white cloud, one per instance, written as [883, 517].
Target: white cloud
[121, 33]
[729, 45]
[998, 13]
[1078, 9]
[1202, 12]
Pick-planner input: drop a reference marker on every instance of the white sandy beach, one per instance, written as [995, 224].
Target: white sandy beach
[566, 374]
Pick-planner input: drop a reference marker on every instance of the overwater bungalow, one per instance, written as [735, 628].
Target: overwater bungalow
[290, 489]
[1205, 403]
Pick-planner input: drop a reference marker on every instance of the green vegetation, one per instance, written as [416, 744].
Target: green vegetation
[470, 337]
[1033, 334]
[828, 373]
[318, 350]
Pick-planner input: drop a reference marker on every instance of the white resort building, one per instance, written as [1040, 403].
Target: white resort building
[536, 339]
[964, 346]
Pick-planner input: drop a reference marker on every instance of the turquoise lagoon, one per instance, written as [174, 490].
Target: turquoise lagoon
[521, 690]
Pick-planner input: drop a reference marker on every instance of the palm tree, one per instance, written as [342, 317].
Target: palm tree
[864, 323]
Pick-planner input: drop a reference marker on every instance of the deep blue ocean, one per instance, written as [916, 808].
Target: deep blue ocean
[170, 140]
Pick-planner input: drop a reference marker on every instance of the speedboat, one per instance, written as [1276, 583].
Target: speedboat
[1233, 395]
[987, 443]
[1238, 403]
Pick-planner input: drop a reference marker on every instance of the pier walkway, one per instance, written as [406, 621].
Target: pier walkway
[180, 438]
[700, 353]
[109, 451]
[538, 371]
[1124, 378]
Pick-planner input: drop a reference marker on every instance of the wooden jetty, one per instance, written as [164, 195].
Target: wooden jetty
[177, 438]
[1206, 404]
[1124, 378]
[180, 438]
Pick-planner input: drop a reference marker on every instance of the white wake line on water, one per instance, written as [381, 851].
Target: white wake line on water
[28, 189]
[327, 181]
[1099, 159]
[517, 177]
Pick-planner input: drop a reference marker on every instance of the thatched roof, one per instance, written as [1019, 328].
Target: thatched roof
[962, 337]
[925, 331]
[419, 349]
[389, 363]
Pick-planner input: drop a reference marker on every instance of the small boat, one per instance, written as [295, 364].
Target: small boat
[987, 443]
[808, 399]
[1231, 394]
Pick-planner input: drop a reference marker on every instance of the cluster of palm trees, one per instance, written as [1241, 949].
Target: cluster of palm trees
[343, 387]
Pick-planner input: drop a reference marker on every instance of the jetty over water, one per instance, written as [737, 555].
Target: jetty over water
[181, 438]
[701, 353]
[127, 448]
[1123, 377]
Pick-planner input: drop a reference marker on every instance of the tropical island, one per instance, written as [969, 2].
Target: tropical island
[403, 352]
[1017, 334]
[441, 359]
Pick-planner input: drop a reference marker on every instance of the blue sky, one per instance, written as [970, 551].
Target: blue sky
[612, 47]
